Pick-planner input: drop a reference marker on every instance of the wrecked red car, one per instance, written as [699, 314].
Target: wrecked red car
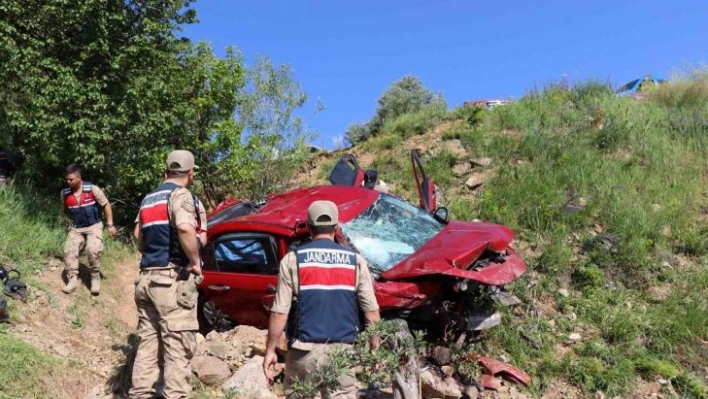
[427, 270]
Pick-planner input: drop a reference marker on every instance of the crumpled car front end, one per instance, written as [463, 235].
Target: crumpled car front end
[449, 275]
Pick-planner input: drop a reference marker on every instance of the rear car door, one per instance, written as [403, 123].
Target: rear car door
[245, 276]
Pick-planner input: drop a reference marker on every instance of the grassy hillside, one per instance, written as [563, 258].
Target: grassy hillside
[31, 237]
[607, 197]
[29, 230]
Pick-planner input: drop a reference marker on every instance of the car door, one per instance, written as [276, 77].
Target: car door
[245, 276]
[346, 172]
[426, 187]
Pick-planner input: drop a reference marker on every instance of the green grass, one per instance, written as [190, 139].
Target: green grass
[30, 230]
[23, 367]
[416, 123]
[644, 186]
[610, 190]
[31, 233]
[30, 227]
[382, 143]
[438, 167]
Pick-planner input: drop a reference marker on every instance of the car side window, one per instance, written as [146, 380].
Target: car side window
[253, 254]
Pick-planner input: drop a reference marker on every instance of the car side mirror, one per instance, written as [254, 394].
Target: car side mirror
[441, 215]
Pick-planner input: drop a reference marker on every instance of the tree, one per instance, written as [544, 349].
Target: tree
[274, 133]
[358, 132]
[404, 96]
[111, 85]
[207, 94]
[89, 83]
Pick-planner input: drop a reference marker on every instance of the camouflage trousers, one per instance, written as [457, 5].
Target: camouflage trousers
[300, 364]
[167, 324]
[91, 238]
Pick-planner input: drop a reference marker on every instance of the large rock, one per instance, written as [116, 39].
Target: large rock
[214, 336]
[471, 392]
[216, 346]
[441, 355]
[220, 349]
[659, 293]
[449, 371]
[455, 148]
[476, 179]
[249, 380]
[434, 386]
[247, 340]
[461, 169]
[201, 344]
[210, 370]
[484, 162]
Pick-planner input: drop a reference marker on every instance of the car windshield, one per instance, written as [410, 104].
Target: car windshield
[389, 231]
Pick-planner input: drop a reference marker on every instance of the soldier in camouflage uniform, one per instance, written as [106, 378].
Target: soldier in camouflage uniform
[166, 291]
[82, 203]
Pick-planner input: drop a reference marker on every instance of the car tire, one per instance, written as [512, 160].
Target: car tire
[204, 327]
[210, 318]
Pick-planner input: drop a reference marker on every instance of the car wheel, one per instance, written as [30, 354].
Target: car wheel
[212, 318]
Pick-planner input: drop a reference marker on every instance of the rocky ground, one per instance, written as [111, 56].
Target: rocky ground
[94, 335]
[231, 362]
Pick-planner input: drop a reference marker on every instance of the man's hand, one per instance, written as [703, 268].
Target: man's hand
[370, 318]
[195, 269]
[269, 361]
[276, 326]
[112, 231]
[375, 342]
[108, 210]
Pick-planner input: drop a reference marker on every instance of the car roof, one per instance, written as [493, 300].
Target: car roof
[289, 209]
[634, 84]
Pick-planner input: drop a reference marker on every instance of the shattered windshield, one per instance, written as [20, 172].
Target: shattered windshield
[389, 231]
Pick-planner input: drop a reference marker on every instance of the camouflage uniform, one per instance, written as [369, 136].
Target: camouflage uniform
[90, 237]
[304, 357]
[201, 224]
[167, 318]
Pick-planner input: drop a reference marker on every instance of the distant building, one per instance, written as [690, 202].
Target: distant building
[489, 103]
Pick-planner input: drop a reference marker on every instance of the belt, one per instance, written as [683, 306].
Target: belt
[178, 272]
[154, 270]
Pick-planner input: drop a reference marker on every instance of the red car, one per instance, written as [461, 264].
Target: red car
[427, 270]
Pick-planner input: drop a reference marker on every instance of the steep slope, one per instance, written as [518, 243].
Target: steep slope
[84, 338]
[607, 197]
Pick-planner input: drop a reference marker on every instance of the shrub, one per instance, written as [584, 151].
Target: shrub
[591, 92]
[358, 132]
[472, 115]
[405, 96]
[685, 93]
[410, 124]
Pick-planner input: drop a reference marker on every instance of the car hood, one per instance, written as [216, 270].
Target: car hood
[453, 250]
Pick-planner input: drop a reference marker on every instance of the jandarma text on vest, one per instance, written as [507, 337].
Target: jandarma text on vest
[327, 256]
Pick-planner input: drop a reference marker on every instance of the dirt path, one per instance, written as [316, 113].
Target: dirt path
[90, 332]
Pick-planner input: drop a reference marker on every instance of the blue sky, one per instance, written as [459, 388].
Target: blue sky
[346, 53]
